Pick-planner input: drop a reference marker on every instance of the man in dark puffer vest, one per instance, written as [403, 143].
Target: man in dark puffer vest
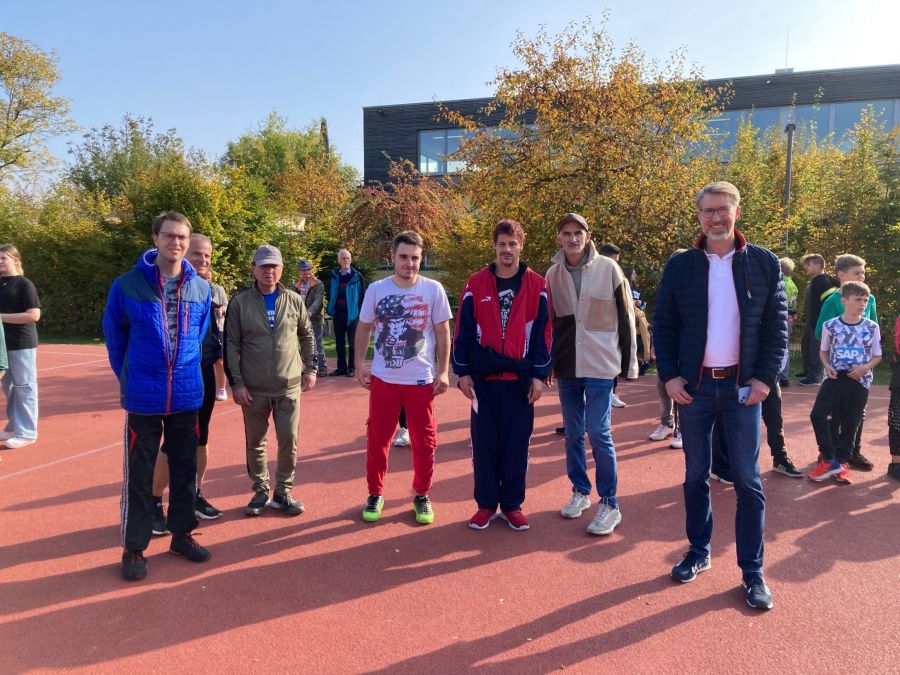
[720, 334]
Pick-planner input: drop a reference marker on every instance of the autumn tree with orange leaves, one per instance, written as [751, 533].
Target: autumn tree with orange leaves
[585, 128]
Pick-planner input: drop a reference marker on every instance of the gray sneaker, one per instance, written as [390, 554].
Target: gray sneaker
[606, 520]
[579, 503]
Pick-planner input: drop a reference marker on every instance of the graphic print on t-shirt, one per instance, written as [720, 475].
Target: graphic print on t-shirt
[402, 320]
[851, 344]
[506, 298]
[170, 285]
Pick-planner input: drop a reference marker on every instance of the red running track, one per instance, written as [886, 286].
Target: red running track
[326, 593]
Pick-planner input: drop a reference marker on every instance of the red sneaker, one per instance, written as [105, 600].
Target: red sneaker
[482, 518]
[515, 519]
[823, 470]
[844, 475]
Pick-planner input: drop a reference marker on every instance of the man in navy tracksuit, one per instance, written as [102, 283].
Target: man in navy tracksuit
[156, 318]
[720, 331]
[501, 352]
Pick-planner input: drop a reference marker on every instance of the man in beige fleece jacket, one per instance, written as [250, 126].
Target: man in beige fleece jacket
[593, 342]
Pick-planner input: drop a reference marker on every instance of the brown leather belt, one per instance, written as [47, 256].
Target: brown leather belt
[720, 373]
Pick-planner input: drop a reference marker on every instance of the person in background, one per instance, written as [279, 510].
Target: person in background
[668, 411]
[790, 290]
[344, 300]
[20, 310]
[820, 286]
[4, 363]
[313, 293]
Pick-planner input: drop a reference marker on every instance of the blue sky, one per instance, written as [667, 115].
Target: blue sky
[214, 70]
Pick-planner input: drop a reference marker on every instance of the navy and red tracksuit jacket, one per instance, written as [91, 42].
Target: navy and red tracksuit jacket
[528, 329]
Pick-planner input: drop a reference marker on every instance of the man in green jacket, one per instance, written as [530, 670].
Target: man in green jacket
[269, 359]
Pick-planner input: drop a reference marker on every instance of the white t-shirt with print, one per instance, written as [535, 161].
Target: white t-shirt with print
[404, 321]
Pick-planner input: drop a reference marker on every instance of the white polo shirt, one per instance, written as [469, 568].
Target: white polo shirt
[723, 322]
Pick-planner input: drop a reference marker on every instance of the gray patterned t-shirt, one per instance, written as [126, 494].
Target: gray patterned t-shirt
[851, 344]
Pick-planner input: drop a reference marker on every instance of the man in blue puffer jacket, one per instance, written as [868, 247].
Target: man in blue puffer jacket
[720, 331]
[155, 320]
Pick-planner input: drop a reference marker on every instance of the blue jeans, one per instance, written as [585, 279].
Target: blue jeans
[741, 425]
[585, 402]
[20, 387]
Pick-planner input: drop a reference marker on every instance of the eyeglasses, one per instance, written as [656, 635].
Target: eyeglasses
[722, 211]
[170, 237]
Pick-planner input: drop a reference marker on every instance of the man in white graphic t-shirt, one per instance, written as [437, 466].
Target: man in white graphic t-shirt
[411, 317]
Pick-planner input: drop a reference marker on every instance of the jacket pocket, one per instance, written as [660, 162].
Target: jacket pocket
[602, 314]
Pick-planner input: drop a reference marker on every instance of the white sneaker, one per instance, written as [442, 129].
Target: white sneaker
[676, 441]
[6, 435]
[402, 437]
[18, 442]
[661, 433]
[221, 394]
[605, 521]
[617, 402]
[579, 503]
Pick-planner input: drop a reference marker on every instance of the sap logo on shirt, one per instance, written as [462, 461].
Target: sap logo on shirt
[849, 353]
[486, 298]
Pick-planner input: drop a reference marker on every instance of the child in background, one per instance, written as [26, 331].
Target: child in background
[851, 348]
[790, 289]
[848, 267]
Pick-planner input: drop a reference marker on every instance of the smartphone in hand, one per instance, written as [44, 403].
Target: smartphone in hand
[743, 394]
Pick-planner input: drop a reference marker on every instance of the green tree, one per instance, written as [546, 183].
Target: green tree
[29, 113]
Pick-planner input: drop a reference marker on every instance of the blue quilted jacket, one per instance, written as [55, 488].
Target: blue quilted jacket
[154, 377]
[679, 322]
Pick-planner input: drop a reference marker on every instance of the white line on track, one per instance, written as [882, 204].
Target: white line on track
[117, 444]
[69, 353]
[69, 365]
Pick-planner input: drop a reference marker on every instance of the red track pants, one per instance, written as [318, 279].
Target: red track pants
[385, 401]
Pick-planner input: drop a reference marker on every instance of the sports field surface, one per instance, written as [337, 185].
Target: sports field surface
[326, 593]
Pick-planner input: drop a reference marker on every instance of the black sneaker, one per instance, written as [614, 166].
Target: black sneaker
[785, 466]
[186, 545]
[806, 382]
[203, 509]
[351, 372]
[284, 502]
[560, 431]
[894, 470]
[134, 565]
[784, 384]
[861, 462]
[723, 476]
[688, 569]
[338, 371]
[258, 504]
[758, 594]
[159, 520]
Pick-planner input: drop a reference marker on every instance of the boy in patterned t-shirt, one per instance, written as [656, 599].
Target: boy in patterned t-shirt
[851, 348]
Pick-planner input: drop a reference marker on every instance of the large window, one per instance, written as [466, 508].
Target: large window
[435, 145]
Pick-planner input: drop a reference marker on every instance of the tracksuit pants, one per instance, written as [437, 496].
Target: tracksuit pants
[840, 405]
[501, 424]
[386, 400]
[143, 434]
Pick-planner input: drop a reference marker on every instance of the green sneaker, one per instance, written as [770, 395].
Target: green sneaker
[424, 512]
[372, 512]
